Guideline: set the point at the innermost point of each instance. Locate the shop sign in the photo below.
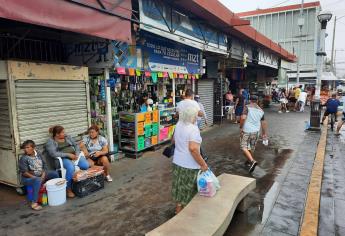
(160, 54)
(163, 20)
(268, 59)
(102, 54)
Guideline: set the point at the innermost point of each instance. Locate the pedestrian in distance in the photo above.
(187, 160)
(283, 101)
(202, 109)
(297, 93)
(188, 102)
(252, 121)
(34, 171)
(341, 123)
(302, 99)
(332, 105)
(239, 105)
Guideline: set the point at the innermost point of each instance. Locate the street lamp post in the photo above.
(315, 114)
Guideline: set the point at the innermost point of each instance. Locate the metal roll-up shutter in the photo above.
(43, 103)
(5, 132)
(205, 91)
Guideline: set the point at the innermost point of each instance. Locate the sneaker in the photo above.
(280, 112)
(248, 163)
(287, 111)
(337, 134)
(252, 167)
(108, 178)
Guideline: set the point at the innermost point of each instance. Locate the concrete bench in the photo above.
(208, 216)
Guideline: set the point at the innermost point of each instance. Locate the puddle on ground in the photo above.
(262, 199)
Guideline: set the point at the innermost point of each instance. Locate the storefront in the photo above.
(39, 88)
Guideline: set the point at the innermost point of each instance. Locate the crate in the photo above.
(148, 117)
(171, 131)
(164, 134)
(155, 128)
(148, 131)
(88, 186)
(147, 142)
(141, 128)
(141, 117)
(155, 116)
(141, 143)
(154, 140)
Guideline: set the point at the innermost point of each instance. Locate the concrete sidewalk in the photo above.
(332, 209)
(139, 199)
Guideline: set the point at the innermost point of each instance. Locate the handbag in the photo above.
(169, 151)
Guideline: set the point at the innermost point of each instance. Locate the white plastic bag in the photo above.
(208, 183)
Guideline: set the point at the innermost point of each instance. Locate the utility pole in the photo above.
(300, 23)
(332, 52)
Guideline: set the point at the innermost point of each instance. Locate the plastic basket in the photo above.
(88, 186)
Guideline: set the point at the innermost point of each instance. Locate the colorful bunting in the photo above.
(121, 70)
(138, 72)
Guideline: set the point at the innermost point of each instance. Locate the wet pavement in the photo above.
(139, 198)
(332, 205)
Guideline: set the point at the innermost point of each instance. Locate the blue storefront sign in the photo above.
(160, 54)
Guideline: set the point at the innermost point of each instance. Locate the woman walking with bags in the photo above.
(187, 159)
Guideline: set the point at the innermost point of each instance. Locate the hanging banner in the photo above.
(161, 54)
(101, 53)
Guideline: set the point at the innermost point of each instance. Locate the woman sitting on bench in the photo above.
(61, 145)
(34, 171)
(95, 148)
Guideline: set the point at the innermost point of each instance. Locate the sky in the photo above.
(337, 7)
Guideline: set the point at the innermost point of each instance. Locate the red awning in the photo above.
(82, 17)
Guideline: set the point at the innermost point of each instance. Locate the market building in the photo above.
(99, 62)
(281, 24)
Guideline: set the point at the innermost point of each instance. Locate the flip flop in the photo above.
(36, 207)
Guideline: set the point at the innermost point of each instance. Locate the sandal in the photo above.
(36, 207)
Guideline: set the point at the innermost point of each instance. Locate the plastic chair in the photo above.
(60, 168)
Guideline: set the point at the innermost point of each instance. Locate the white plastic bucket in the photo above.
(56, 192)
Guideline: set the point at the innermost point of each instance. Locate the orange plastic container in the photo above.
(154, 140)
(155, 116)
(141, 117)
(148, 117)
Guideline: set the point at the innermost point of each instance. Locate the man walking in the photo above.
(302, 99)
(188, 102)
(252, 120)
(332, 105)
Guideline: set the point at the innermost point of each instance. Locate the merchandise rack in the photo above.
(141, 131)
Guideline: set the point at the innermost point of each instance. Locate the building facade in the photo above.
(281, 25)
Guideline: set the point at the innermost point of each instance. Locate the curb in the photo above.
(310, 220)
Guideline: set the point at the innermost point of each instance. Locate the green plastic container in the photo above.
(155, 129)
(148, 131)
(141, 143)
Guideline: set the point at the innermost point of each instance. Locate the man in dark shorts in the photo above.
(252, 120)
(332, 105)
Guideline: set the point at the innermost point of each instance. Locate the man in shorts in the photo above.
(252, 120)
(342, 122)
(332, 105)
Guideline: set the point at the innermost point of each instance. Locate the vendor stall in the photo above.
(34, 97)
(141, 131)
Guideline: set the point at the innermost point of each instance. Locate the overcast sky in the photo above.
(337, 7)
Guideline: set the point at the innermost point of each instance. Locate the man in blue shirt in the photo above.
(332, 105)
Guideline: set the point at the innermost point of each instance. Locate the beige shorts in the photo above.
(248, 140)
